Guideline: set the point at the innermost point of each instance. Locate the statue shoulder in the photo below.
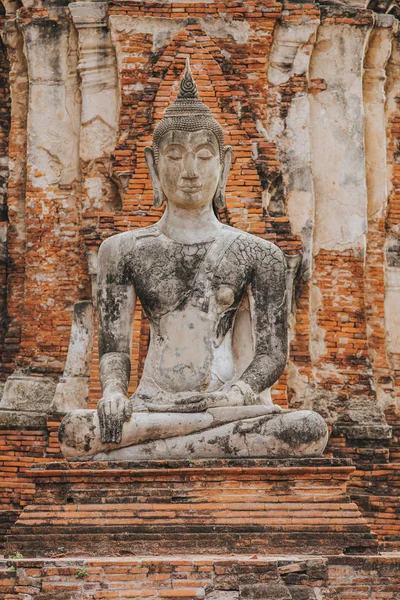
(263, 254)
(271, 250)
(123, 244)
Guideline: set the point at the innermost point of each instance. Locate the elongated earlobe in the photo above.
(158, 198)
(158, 194)
(219, 196)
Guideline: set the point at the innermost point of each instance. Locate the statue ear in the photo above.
(219, 197)
(151, 165)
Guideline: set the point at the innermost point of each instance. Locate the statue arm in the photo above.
(269, 317)
(116, 304)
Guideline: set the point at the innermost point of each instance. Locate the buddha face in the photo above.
(189, 169)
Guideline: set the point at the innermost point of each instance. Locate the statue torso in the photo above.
(168, 275)
(190, 293)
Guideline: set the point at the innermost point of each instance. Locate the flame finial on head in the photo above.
(187, 113)
(188, 87)
(187, 102)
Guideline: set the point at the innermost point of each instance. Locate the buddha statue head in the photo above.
(188, 161)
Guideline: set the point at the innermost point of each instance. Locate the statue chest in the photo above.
(168, 277)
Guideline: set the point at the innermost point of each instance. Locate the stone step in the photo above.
(277, 507)
(376, 490)
(207, 576)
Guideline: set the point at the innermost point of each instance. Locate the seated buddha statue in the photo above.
(215, 298)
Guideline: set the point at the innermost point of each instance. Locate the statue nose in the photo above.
(189, 164)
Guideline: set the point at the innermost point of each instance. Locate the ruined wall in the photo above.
(308, 97)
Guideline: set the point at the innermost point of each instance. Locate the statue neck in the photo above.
(190, 226)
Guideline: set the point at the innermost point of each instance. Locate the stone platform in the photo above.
(235, 506)
(202, 577)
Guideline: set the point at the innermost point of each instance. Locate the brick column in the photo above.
(392, 243)
(344, 389)
(101, 191)
(51, 207)
(98, 70)
(377, 56)
(16, 229)
(73, 388)
(294, 39)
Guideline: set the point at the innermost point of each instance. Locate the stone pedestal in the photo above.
(235, 506)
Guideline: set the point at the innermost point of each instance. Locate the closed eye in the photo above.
(205, 154)
(174, 155)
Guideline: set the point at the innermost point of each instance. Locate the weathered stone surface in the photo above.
(135, 51)
(97, 67)
(191, 274)
(290, 57)
(258, 86)
(265, 591)
(27, 393)
(71, 394)
(12, 419)
(298, 433)
(73, 389)
(338, 137)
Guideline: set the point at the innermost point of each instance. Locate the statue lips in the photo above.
(190, 189)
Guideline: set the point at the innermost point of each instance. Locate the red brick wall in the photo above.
(16, 235)
(344, 578)
(18, 450)
(232, 79)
